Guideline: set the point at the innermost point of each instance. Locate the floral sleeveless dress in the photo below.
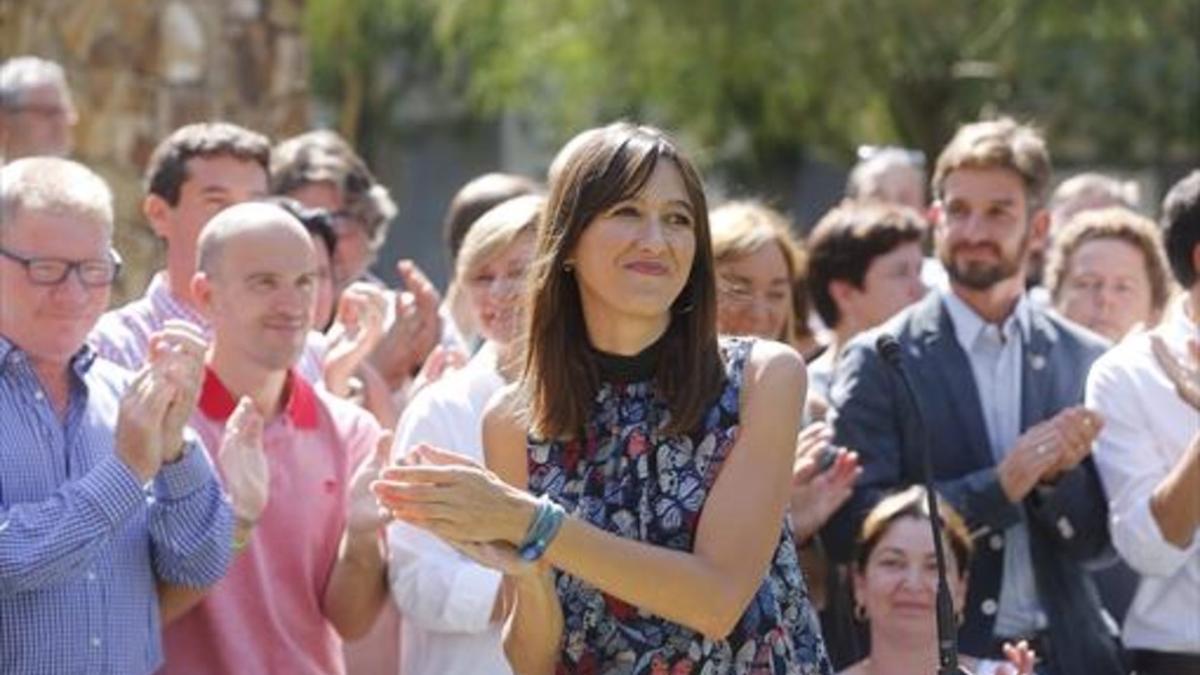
(630, 479)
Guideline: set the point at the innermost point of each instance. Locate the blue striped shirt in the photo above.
(82, 542)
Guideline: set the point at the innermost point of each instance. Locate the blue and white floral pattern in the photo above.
(627, 477)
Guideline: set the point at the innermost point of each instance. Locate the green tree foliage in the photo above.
(761, 82)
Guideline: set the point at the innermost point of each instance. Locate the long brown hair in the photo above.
(560, 378)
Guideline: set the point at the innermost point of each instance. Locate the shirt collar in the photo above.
(1177, 324)
(968, 325)
(216, 402)
(81, 362)
(166, 304)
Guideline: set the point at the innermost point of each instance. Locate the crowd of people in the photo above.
(636, 433)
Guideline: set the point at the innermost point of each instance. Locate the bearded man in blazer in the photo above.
(1000, 382)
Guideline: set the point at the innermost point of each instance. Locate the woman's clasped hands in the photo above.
(460, 501)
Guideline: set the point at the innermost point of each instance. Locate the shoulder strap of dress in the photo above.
(736, 352)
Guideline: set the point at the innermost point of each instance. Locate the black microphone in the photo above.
(947, 631)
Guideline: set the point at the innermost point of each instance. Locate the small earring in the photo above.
(860, 612)
(568, 266)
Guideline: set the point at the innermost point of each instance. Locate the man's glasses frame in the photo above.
(93, 273)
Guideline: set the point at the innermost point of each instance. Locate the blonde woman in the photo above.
(450, 604)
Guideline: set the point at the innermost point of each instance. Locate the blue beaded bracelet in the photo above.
(547, 520)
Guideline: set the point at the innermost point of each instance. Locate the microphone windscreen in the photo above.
(888, 348)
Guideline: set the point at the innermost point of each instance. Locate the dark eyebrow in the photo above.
(735, 278)
(685, 204)
(214, 189)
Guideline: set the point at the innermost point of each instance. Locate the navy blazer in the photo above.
(1067, 521)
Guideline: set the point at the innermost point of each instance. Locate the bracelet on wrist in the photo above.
(547, 520)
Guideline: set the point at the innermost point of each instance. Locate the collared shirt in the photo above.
(82, 541)
(266, 615)
(123, 335)
(995, 353)
(446, 599)
(1147, 429)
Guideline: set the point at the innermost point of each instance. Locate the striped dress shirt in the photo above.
(82, 541)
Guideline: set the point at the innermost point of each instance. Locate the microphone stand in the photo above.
(947, 630)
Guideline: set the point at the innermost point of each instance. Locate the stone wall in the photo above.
(140, 68)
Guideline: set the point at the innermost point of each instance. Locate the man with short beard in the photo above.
(1000, 382)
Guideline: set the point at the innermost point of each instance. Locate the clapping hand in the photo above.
(243, 462)
(365, 514)
(140, 418)
(1047, 450)
(454, 497)
(1021, 659)
(442, 360)
(1183, 371)
(176, 354)
(819, 485)
(1076, 430)
(416, 330)
(357, 329)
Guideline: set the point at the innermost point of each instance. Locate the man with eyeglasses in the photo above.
(36, 112)
(103, 496)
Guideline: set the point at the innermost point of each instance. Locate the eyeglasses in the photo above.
(346, 223)
(92, 273)
(48, 111)
(740, 293)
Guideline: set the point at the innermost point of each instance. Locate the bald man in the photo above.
(297, 462)
(102, 494)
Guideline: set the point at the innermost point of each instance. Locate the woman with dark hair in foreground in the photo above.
(657, 459)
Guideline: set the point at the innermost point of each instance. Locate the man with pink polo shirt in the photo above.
(297, 462)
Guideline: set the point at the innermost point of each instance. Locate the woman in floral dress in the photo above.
(669, 451)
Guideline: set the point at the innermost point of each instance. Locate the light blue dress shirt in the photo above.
(82, 541)
(995, 353)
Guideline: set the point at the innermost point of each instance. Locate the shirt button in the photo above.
(95, 642)
(91, 576)
(988, 607)
(39, 395)
(996, 541)
(1065, 528)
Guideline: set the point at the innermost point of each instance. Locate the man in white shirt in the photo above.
(1148, 390)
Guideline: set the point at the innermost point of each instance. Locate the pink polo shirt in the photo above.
(266, 616)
